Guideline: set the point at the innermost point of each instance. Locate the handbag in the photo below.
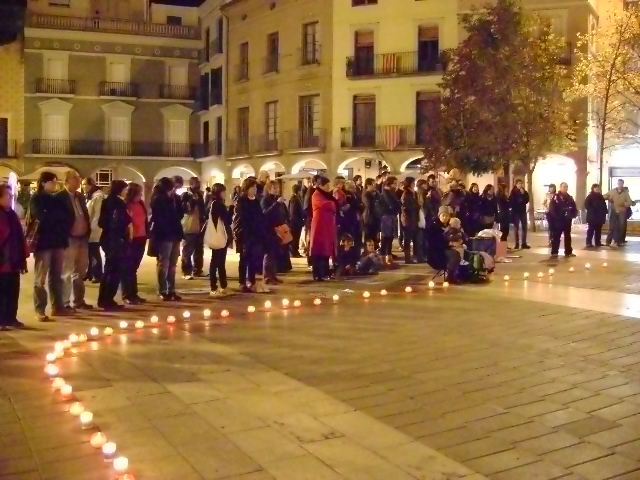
(32, 233)
(215, 237)
(152, 245)
(284, 234)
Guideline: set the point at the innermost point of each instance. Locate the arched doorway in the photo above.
(241, 172)
(553, 169)
(274, 168)
(5, 171)
(412, 166)
(183, 172)
(363, 166)
(310, 165)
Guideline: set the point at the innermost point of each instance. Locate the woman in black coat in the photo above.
(596, 207)
(470, 214)
(504, 212)
(409, 218)
(487, 209)
(115, 223)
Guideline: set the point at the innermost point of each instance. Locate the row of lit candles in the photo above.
(551, 272)
(98, 440)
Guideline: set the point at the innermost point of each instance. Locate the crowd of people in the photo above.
(344, 227)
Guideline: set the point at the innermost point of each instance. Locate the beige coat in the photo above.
(621, 200)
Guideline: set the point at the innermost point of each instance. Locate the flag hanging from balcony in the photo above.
(391, 136)
(389, 63)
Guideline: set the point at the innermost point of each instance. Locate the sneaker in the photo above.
(187, 277)
(83, 306)
(131, 301)
(569, 255)
(222, 291)
(166, 297)
(215, 293)
(62, 312)
(175, 297)
(526, 247)
(41, 317)
(111, 307)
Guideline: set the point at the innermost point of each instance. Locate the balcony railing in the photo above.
(177, 92)
(8, 149)
(310, 55)
(272, 63)
(266, 144)
(237, 147)
(242, 72)
(101, 147)
(208, 149)
(55, 86)
(118, 89)
(110, 25)
(391, 64)
(383, 137)
(309, 139)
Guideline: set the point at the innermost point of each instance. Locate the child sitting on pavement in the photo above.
(371, 261)
(347, 257)
(455, 236)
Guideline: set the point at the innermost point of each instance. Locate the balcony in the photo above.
(119, 89)
(312, 139)
(242, 72)
(208, 149)
(391, 65)
(9, 149)
(272, 63)
(383, 137)
(55, 86)
(265, 144)
(41, 146)
(177, 92)
(237, 148)
(108, 25)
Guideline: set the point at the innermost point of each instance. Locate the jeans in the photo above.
(617, 227)
(413, 237)
(556, 232)
(9, 295)
(135, 254)
(192, 254)
(95, 261)
(250, 264)
(295, 244)
(594, 232)
(115, 266)
(520, 219)
(217, 268)
(48, 268)
(320, 266)
(168, 253)
(74, 268)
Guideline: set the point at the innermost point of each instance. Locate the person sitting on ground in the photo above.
(347, 257)
(455, 236)
(439, 255)
(371, 262)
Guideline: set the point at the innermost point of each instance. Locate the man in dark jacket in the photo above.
(596, 207)
(562, 211)
(195, 217)
(296, 216)
(518, 200)
(76, 255)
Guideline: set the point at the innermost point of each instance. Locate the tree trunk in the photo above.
(532, 209)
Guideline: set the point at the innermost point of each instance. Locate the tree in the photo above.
(502, 99)
(607, 75)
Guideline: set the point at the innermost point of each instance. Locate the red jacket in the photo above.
(323, 224)
(13, 247)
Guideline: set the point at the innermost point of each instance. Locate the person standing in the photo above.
(48, 219)
(115, 223)
(488, 209)
(323, 235)
(504, 212)
(349, 221)
(94, 196)
(296, 216)
(308, 213)
(275, 213)
(562, 211)
(221, 221)
(13, 260)
(518, 200)
(166, 235)
(620, 201)
(596, 207)
(249, 233)
(137, 210)
(409, 219)
(470, 214)
(76, 255)
(192, 202)
(551, 192)
(388, 208)
(370, 219)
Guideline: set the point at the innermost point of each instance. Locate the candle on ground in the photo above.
(366, 294)
(76, 409)
(224, 313)
(86, 419)
(109, 450)
(51, 370)
(251, 309)
(317, 302)
(97, 440)
(408, 289)
(297, 303)
(383, 292)
(120, 465)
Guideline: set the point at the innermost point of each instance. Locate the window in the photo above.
(204, 91)
(358, 3)
(310, 45)
(59, 3)
(55, 126)
(364, 120)
(207, 40)
(178, 75)
(205, 131)
(104, 177)
(309, 121)
(628, 4)
(218, 41)
(271, 126)
(174, 20)
(243, 130)
(243, 70)
(428, 48)
(363, 53)
(273, 52)
(55, 68)
(218, 138)
(427, 115)
(216, 86)
(4, 137)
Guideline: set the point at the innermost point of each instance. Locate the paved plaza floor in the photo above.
(514, 380)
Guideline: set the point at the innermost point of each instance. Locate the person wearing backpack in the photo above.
(562, 211)
(218, 237)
